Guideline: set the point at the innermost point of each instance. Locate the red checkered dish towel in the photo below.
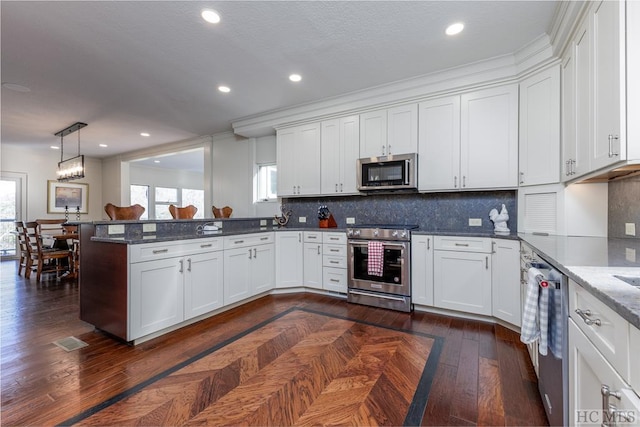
(375, 258)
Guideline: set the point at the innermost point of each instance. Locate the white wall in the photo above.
(40, 167)
(265, 153)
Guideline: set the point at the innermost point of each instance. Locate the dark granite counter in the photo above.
(592, 262)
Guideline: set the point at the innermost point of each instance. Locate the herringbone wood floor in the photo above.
(483, 376)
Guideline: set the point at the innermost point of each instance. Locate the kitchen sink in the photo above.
(633, 281)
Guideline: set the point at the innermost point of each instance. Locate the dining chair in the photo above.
(124, 212)
(44, 260)
(25, 259)
(187, 212)
(224, 212)
(48, 228)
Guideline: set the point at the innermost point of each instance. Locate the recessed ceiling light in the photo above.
(55, 147)
(224, 89)
(295, 77)
(103, 145)
(454, 29)
(211, 16)
(144, 134)
(15, 87)
(156, 161)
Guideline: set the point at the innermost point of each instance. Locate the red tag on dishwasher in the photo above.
(544, 284)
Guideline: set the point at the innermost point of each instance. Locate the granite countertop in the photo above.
(592, 262)
(510, 236)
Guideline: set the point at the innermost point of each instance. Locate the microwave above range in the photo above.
(393, 172)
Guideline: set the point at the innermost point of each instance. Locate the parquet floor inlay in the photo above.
(301, 367)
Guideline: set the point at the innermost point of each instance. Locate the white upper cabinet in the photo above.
(299, 160)
(389, 131)
(489, 138)
(439, 144)
(540, 128)
(469, 141)
(340, 149)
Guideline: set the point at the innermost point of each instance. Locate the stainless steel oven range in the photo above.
(379, 270)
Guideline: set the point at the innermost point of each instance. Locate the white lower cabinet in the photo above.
(334, 262)
(461, 278)
(422, 270)
(289, 261)
(312, 270)
(165, 292)
(505, 281)
(249, 266)
(597, 394)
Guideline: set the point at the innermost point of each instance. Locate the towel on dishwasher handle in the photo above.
(556, 329)
(535, 312)
(375, 258)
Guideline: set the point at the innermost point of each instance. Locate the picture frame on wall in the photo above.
(61, 195)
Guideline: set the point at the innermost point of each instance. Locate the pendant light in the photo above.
(72, 168)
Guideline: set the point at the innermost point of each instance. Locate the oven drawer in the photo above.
(462, 244)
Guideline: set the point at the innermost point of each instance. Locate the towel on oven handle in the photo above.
(375, 258)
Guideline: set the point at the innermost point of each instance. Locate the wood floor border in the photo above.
(416, 409)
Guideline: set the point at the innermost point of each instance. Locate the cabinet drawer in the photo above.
(608, 332)
(334, 250)
(334, 261)
(244, 240)
(151, 251)
(312, 236)
(340, 238)
(463, 244)
(335, 279)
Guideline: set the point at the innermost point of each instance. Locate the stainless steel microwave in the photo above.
(393, 172)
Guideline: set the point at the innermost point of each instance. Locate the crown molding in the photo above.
(567, 16)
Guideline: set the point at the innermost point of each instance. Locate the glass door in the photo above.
(10, 206)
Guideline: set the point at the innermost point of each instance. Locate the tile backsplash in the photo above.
(430, 211)
(624, 206)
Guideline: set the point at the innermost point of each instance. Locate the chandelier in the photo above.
(72, 168)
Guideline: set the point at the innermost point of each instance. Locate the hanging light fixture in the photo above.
(72, 168)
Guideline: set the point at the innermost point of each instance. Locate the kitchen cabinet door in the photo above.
(540, 128)
(373, 134)
(422, 270)
(489, 138)
(402, 129)
(589, 372)
(313, 265)
(583, 93)
(340, 149)
(203, 283)
(156, 296)
(505, 281)
(462, 281)
(298, 151)
(289, 259)
(609, 141)
(439, 144)
(263, 268)
(569, 140)
(286, 162)
(237, 274)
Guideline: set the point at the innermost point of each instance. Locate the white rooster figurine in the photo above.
(500, 220)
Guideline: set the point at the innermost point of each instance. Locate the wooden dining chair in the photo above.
(25, 259)
(124, 212)
(44, 260)
(187, 212)
(224, 212)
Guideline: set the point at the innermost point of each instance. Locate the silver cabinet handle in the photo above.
(299, 237)
(264, 238)
(486, 262)
(334, 262)
(493, 247)
(208, 245)
(611, 138)
(181, 266)
(298, 189)
(341, 187)
(428, 243)
(609, 410)
(383, 147)
(255, 253)
(462, 244)
(250, 253)
(566, 168)
(334, 280)
(238, 242)
(160, 251)
(318, 249)
(389, 150)
(464, 181)
(334, 238)
(294, 189)
(455, 181)
(521, 177)
(585, 314)
(189, 264)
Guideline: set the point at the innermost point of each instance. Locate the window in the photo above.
(140, 196)
(195, 198)
(267, 182)
(164, 198)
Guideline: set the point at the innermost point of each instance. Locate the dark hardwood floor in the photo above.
(484, 376)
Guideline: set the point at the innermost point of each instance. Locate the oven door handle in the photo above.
(369, 294)
(389, 243)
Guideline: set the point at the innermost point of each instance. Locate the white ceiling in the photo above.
(125, 67)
